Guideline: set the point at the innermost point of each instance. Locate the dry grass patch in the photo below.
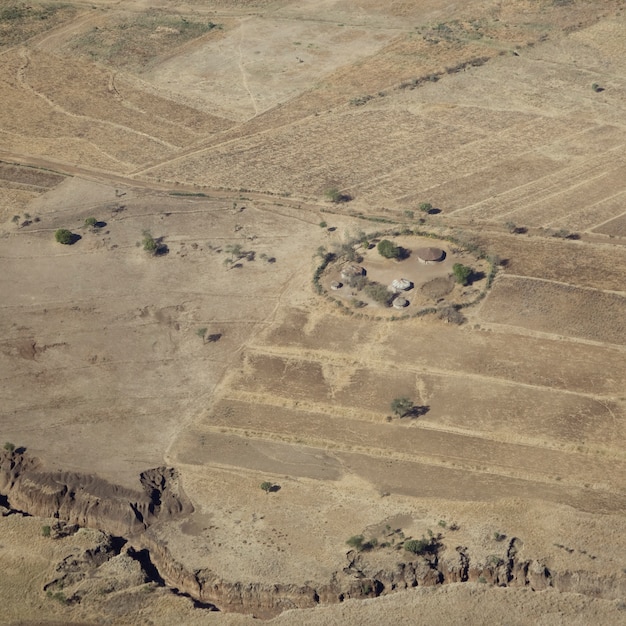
(556, 308)
(134, 41)
(20, 21)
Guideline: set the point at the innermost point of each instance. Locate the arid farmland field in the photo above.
(313, 312)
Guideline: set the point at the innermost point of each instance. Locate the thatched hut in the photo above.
(400, 303)
(351, 271)
(400, 284)
(430, 255)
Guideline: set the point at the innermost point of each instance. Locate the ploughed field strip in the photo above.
(557, 308)
(595, 266)
(496, 421)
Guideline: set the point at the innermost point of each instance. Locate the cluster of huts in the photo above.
(350, 272)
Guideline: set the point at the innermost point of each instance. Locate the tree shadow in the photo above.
(100, 224)
(215, 337)
(74, 238)
(434, 211)
(274, 488)
(161, 248)
(403, 253)
(417, 411)
(475, 276)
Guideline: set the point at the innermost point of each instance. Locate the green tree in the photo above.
(90, 222)
(388, 249)
(462, 273)
(356, 542)
(201, 332)
(417, 546)
(64, 236)
(149, 243)
(46, 530)
(267, 486)
(426, 207)
(9, 447)
(401, 406)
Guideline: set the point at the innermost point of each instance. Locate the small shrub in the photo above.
(267, 486)
(9, 447)
(388, 249)
(64, 236)
(442, 523)
(149, 243)
(201, 332)
(451, 315)
(46, 530)
(323, 224)
(595, 87)
(462, 273)
(417, 546)
(426, 207)
(356, 542)
(90, 222)
(401, 406)
(336, 196)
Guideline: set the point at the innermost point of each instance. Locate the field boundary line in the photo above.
(295, 354)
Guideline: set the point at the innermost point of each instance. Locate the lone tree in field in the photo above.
(91, 222)
(334, 195)
(64, 236)
(462, 273)
(426, 207)
(401, 406)
(149, 243)
(267, 486)
(388, 249)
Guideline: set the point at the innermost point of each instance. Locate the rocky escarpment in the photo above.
(87, 500)
(135, 515)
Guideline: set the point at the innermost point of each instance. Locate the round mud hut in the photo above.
(430, 255)
(400, 303)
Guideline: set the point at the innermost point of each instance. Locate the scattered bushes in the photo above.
(379, 293)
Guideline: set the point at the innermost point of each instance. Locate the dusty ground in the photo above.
(227, 136)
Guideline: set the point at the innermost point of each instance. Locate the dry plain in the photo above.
(219, 128)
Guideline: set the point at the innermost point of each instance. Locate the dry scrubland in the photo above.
(219, 128)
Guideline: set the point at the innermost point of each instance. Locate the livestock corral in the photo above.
(226, 172)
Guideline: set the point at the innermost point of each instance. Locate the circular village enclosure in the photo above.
(420, 281)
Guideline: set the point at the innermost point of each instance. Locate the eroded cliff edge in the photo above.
(137, 516)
